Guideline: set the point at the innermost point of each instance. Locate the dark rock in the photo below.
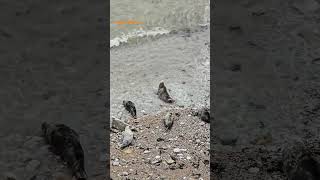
(235, 67)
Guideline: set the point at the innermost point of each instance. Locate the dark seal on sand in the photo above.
(131, 108)
(65, 143)
(203, 114)
(163, 93)
(168, 121)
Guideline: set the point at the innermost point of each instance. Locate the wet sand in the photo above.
(52, 68)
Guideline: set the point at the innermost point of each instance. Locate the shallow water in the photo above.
(155, 17)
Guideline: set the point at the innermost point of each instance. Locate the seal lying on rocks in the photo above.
(65, 143)
(127, 137)
(129, 106)
(168, 121)
(163, 93)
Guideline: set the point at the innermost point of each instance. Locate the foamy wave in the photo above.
(137, 34)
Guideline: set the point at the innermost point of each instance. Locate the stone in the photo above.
(116, 162)
(125, 174)
(9, 176)
(228, 139)
(254, 170)
(33, 165)
(306, 6)
(178, 150)
(170, 161)
(118, 124)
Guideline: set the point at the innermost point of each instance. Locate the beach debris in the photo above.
(163, 93)
(65, 143)
(118, 124)
(130, 107)
(168, 121)
(299, 162)
(127, 137)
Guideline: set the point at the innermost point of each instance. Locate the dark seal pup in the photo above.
(131, 108)
(163, 93)
(203, 114)
(65, 143)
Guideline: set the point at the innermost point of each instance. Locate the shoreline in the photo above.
(136, 72)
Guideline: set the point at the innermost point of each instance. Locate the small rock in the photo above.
(116, 162)
(235, 67)
(158, 157)
(254, 170)
(170, 161)
(146, 152)
(157, 161)
(143, 112)
(178, 150)
(33, 165)
(9, 176)
(118, 124)
(125, 174)
(160, 139)
(228, 140)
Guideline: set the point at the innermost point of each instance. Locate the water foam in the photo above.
(138, 33)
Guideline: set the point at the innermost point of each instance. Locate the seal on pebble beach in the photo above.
(129, 106)
(163, 93)
(65, 143)
(168, 121)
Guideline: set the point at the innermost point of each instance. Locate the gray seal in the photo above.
(131, 108)
(163, 93)
(65, 143)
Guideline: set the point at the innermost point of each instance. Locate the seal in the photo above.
(168, 121)
(65, 143)
(203, 114)
(130, 107)
(163, 93)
